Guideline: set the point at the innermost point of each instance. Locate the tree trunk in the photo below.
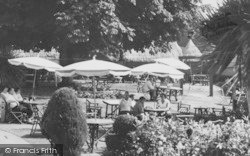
(248, 85)
(65, 53)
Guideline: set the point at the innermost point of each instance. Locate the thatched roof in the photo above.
(145, 56)
(175, 50)
(191, 49)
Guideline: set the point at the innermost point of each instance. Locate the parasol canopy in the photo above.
(159, 70)
(173, 62)
(35, 63)
(92, 68)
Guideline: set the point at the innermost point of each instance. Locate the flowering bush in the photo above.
(84, 92)
(53, 54)
(172, 138)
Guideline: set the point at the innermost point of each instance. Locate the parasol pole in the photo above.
(94, 93)
(201, 66)
(34, 84)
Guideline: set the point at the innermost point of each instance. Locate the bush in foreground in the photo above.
(122, 139)
(124, 124)
(64, 122)
(172, 138)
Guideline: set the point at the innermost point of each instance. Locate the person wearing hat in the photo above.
(138, 109)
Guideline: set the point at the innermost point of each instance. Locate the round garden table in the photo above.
(158, 110)
(38, 113)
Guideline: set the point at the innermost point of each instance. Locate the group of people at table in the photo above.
(151, 88)
(16, 102)
(129, 106)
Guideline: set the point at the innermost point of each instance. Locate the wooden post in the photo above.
(211, 83)
(201, 66)
(239, 71)
(34, 85)
(181, 85)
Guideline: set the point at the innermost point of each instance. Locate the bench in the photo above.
(200, 78)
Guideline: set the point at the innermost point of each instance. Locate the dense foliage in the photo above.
(81, 27)
(27, 24)
(64, 122)
(173, 138)
(233, 25)
(122, 140)
(10, 75)
(53, 54)
(124, 124)
(233, 38)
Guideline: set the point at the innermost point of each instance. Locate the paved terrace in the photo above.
(196, 96)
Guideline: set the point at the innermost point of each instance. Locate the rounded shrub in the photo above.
(122, 139)
(64, 122)
(124, 124)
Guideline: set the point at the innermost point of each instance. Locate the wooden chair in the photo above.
(217, 111)
(184, 112)
(93, 109)
(14, 116)
(183, 108)
(10, 115)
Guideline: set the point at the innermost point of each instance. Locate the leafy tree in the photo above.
(23, 24)
(234, 38)
(118, 25)
(83, 27)
(27, 24)
(10, 76)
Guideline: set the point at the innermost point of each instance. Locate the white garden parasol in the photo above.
(173, 62)
(35, 63)
(92, 68)
(159, 70)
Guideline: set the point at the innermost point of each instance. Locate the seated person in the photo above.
(132, 98)
(158, 82)
(125, 104)
(148, 88)
(138, 109)
(164, 103)
(17, 95)
(9, 98)
(157, 85)
(16, 106)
